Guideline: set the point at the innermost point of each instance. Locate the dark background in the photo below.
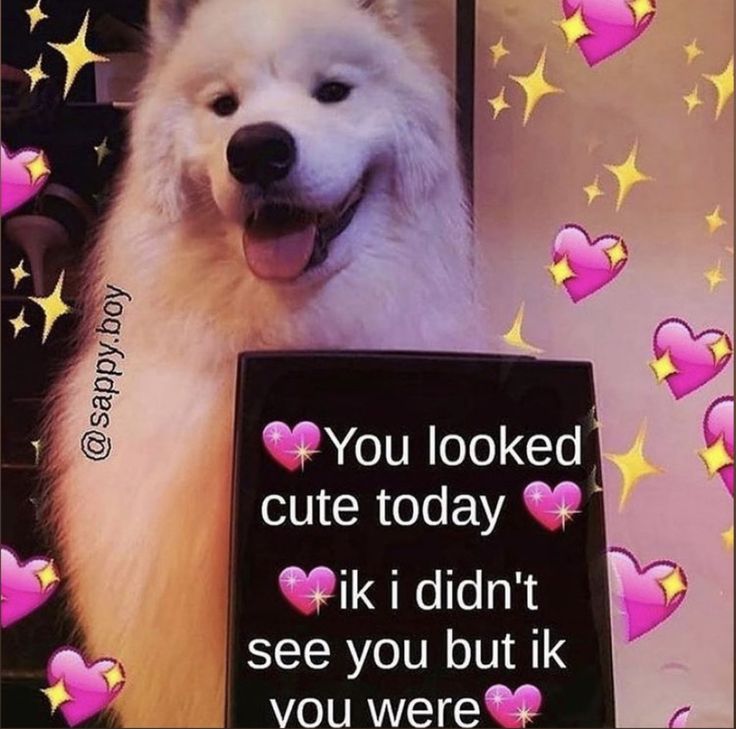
(403, 395)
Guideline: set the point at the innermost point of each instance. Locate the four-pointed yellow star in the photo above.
(715, 277)
(721, 349)
(48, 576)
(514, 338)
(57, 695)
(727, 538)
(103, 151)
(627, 174)
(561, 271)
(714, 220)
(673, 584)
(692, 100)
(716, 457)
(692, 51)
(593, 190)
(36, 73)
(723, 82)
(18, 273)
(77, 55)
(535, 86)
(498, 51)
(498, 104)
(19, 323)
(35, 15)
(633, 465)
(641, 9)
(663, 367)
(52, 306)
(574, 27)
(38, 167)
(114, 676)
(617, 253)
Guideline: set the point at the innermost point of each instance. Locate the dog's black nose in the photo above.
(260, 154)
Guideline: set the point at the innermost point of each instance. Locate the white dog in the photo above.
(293, 183)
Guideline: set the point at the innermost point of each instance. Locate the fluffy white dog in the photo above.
(292, 183)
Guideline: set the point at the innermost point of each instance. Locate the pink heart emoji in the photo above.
(695, 360)
(717, 424)
(517, 709)
(646, 596)
(678, 720)
(24, 587)
(553, 509)
(593, 263)
(307, 593)
(612, 23)
(17, 183)
(80, 689)
(292, 448)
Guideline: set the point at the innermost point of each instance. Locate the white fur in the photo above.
(144, 534)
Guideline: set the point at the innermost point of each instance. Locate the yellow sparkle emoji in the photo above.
(716, 457)
(663, 367)
(724, 86)
(715, 277)
(52, 306)
(37, 448)
(641, 9)
(57, 695)
(114, 676)
(514, 338)
(498, 51)
(38, 167)
(77, 55)
(721, 349)
(35, 15)
(714, 220)
(727, 538)
(627, 174)
(47, 576)
(574, 27)
(692, 51)
(561, 271)
(535, 86)
(692, 100)
(593, 190)
(498, 104)
(617, 253)
(19, 323)
(18, 273)
(633, 465)
(673, 585)
(35, 73)
(103, 151)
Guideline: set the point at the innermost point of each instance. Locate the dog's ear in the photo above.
(165, 19)
(396, 14)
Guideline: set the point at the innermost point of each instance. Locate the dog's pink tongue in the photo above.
(281, 258)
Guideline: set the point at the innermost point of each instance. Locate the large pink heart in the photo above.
(91, 687)
(612, 24)
(23, 590)
(692, 356)
(553, 509)
(646, 596)
(292, 448)
(718, 423)
(16, 183)
(307, 593)
(517, 709)
(588, 260)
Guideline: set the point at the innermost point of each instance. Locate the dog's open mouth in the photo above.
(282, 241)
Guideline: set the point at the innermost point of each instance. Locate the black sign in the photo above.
(418, 542)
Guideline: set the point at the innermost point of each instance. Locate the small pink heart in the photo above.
(612, 24)
(593, 263)
(553, 509)
(292, 448)
(718, 423)
(307, 593)
(646, 596)
(696, 359)
(82, 689)
(678, 720)
(24, 586)
(17, 185)
(517, 709)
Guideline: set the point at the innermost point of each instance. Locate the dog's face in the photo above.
(306, 124)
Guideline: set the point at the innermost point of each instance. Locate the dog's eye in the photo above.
(225, 105)
(332, 92)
